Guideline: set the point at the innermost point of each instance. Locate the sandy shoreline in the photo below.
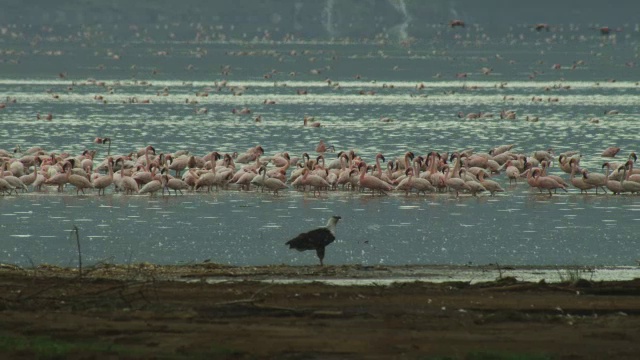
(343, 274)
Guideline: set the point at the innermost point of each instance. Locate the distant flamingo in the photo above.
(541, 26)
(47, 117)
(605, 30)
(243, 111)
(508, 114)
(469, 116)
(322, 147)
(308, 121)
(610, 151)
(105, 140)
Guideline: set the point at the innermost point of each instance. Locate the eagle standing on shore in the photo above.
(316, 239)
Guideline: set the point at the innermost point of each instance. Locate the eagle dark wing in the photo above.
(312, 240)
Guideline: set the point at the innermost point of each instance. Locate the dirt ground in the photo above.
(224, 312)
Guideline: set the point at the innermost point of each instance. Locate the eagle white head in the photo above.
(331, 224)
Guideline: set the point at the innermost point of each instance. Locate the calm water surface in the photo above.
(519, 226)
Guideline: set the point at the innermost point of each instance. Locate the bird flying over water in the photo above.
(316, 239)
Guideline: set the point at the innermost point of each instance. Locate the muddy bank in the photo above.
(135, 312)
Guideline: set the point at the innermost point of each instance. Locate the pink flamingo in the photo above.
(271, 183)
(578, 183)
(545, 182)
(29, 179)
(492, 186)
(455, 183)
(613, 185)
(545, 166)
(209, 179)
(143, 176)
(178, 164)
(281, 160)
(405, 184)
(174, 184)
(421, 185)
(152, 187)
(630, 186)
(80, 182)
(105, 181)
(62, 178)
(564, 162)
(245, 179)
(597, 180)
(250, 155)
(512, 172)
(5, 186)
(316, 181)
(127, 183)
(372, 182)
(378, 170)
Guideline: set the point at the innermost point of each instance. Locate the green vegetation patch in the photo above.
(45, 347)
(488, 355)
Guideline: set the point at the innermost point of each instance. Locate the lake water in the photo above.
(519, 226)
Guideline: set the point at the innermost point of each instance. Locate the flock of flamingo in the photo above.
(145, 171)
(461, 172)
